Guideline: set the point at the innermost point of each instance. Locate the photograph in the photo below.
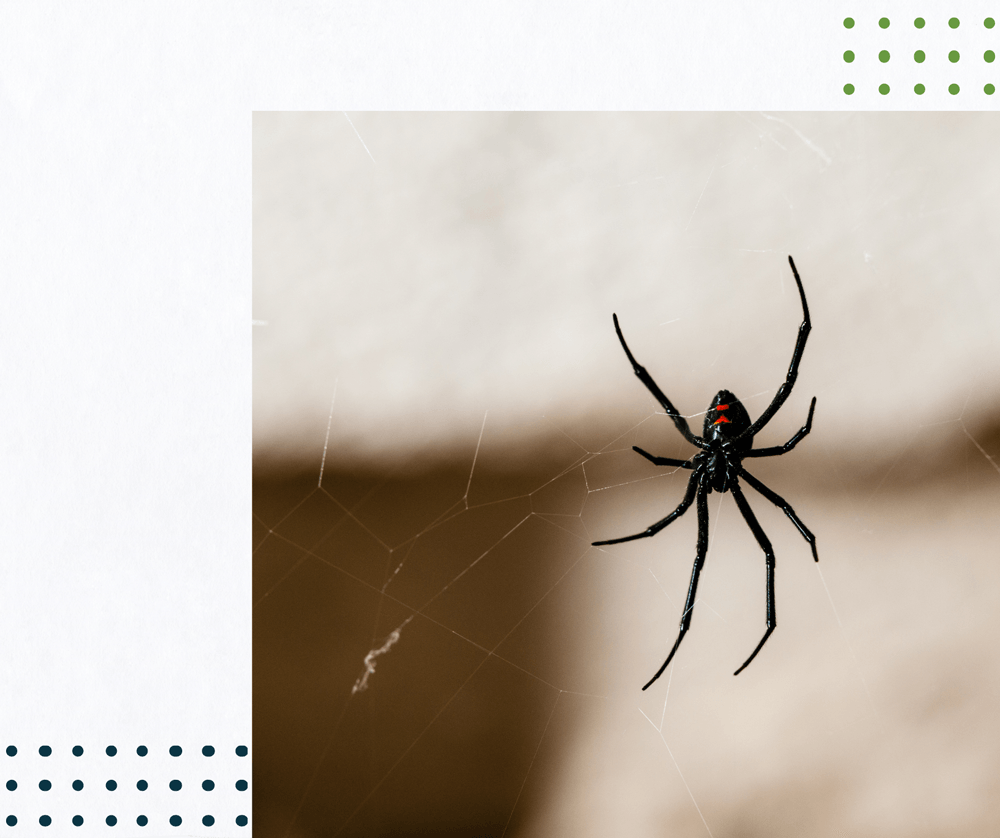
(539, 395)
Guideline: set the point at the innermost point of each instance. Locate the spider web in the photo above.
(438, 648)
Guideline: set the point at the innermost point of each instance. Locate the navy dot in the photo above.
(11, 820)
(44, 785)
(142, 820)
(11, 751)
(45, 751)
(175, 750)
(241, 785)
(11, 785)
(175, 785)
(77, 751)
(142, 785)
(77, 820)
(111, 820)
(175, 820)
(208, 751)
(241, 820)
(142, 750)
(111, 750)
(45, 820)
(78, 785)
(208, 785)
(242, 751)
(111, 785)
(208, 820)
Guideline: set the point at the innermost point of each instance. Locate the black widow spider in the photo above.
(727, 441)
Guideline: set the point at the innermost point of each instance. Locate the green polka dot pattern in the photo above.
(919, 56)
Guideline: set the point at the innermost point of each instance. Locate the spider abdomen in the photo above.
(726, 419)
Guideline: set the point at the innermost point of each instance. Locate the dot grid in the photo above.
(77, 790)
(907, 55)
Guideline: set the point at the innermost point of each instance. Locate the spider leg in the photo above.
(663, 461)
(765, 545)
(788, 446)
(793, 369)
(658, 394)
(699, 562)
(659, 525)
(785, 506)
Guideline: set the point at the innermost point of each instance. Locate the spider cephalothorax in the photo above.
(727, 439)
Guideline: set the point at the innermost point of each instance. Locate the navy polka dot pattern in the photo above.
(189, 803)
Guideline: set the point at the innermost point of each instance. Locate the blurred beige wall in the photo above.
(431, 267)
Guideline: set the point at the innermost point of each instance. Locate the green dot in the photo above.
(919, 23)
(989, 23)
(953, 23)
(848, 56)
(883, 56)
(989, 90)
(919, 56)
(848, 23)
(989, 56)
(848, 89)
(919, 89)
(884, 22)
(883, 89)
(953, 56)
(953, 89)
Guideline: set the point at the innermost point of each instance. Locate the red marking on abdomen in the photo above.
(721, 406)
(721, 419)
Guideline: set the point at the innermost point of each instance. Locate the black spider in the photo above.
(727, 441)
